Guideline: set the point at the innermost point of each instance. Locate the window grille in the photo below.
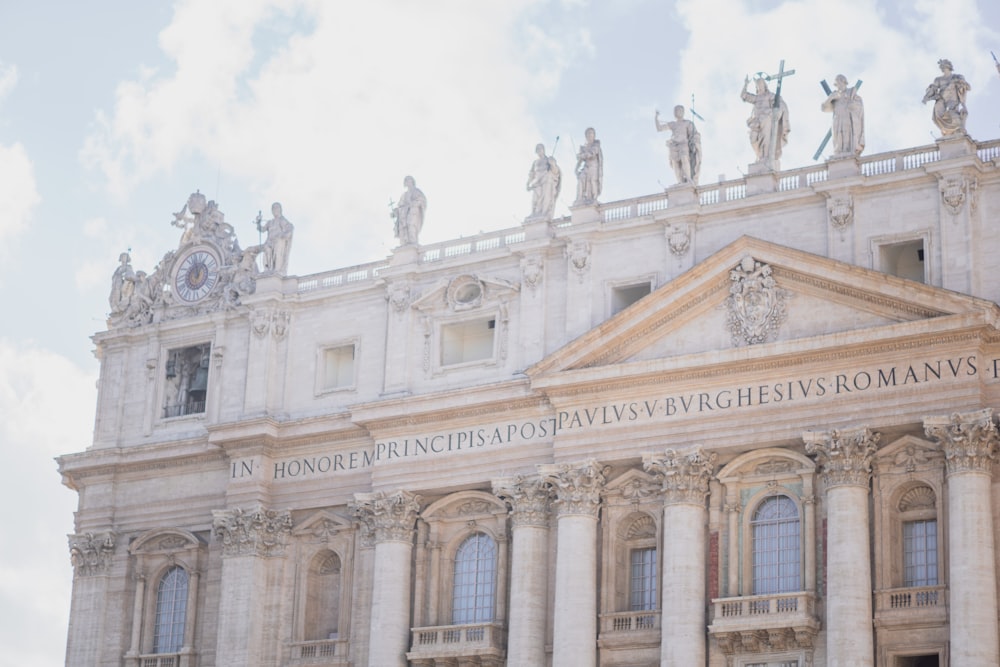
(642, 581)
(776, 547)
(475, 580)
(171, 610)
(920, 553)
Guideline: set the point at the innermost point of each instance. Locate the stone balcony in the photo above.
(629, 629)
(918, 605)
(757, 623)
(478, 645)
(326, 652)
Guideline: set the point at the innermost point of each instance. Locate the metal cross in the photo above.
(777, 105)
(829, 133)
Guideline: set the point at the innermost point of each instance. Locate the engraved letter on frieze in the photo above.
(755, 305)
(253, 532)
(577, 486)
(389, 517)
(91, 554)
(684, 476)
(969, 440)
(844, 456)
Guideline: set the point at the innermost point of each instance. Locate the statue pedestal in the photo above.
(583, 214)
(842, 167)
(536, 228)
(269, 284)
(405, 254)
(956, 145)
(682, 194)
(761, 182)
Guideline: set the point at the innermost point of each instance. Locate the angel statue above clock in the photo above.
(208, 270)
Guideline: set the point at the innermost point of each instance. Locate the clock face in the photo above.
(197, 275)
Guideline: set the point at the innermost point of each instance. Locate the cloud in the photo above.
(328, 109)
(17, 190)
(48, 407)
(8, 79)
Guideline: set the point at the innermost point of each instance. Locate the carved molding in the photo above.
(577, 486)
(844, 455)
(390, 518)
(253, 532)
(765, 641)
(91, 554)
(529, 499)
(684, 476)
(969, 440)
(756, 305)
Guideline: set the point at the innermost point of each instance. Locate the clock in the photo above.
(197, 275)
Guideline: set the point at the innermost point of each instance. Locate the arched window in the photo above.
(776, 547)
(171, 611)
(475, 580)
(323, 597)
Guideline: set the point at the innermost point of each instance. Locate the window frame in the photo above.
(751, 544)
(321, 387)
(489, 566)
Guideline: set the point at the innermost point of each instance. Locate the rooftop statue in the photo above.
(848, 130)
(948, 92)
(684, 145)
(769, 126)
(544, 183)
(275, 250)
(589, 170)
(409, 213)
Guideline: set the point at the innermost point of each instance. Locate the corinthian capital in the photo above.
(391, 517)
(91, 554)
(844, 455)
(969, 440)
(253, 532)
(577, 486)
(529, 499)
(684, 475)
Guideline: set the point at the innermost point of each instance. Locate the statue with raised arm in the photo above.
(275, 250)
(544, 182)
(684, 145)
(589, 170)
(409, 213)
(948, 92)
(848, 131)
(768, 125)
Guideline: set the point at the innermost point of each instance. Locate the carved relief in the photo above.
(532, 272)
(678, 239)
(263, 322)
(529, 499)
(755, 305)
(399, 297)
(391, 518)
(917, 498)
(578, 254)
(465, 293)
(577, 486)
(913, 456)
(841, 211)
(253, 532)
(684, 475)
(844, 456)
(643, 527)
(969, 440)
(91, 554)
(260, 322)
(954, 192)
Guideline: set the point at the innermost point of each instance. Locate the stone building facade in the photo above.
(745, 424)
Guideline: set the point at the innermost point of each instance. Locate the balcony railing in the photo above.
(325, 651)
(457, 640)
(160, 660)
(760, 612)
(630, 621)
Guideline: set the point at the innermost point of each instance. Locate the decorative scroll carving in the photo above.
(399, 297)
(577, 486)
(755, 305)
(91, 554)
(765, 641)
(578, 254)
(678, 239)
(529, 499)
(917, 498)
(954, 192)
(844, 456)
(684, 475)
(465, 292)
(913, 456)
(253, 532)
(969, 440)
(532, 272)
(841, 212)
(390, 517)
(643, 527)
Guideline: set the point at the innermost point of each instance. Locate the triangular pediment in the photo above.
(754, 299)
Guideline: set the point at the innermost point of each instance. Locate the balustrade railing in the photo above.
(630, 621)
(910, 598)
(457, 639)
(339, 277)
(751, 606)
(160, 660)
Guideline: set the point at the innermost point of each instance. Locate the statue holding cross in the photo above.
(768, 122)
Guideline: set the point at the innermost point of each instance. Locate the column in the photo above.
(93, 596)
(969, 442)
(391, 518)
(578, 499)
(528, 498)
(682, 597)
(845, 458)
(253, 548)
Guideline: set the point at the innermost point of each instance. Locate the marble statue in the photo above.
(948, 92)
(275, 250)
(768, 125)
(848, 130)
(589, 170)
(409, 213)
(544, 182)
(122, 284)
(684, 145)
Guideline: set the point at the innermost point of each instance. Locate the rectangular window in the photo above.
(642, 580)
(186, 383)
(905, 260)
(464, 342)
(338, 367)
(920, 553)
(625, 296)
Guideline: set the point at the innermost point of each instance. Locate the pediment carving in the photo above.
(323, 526)
(465, 292)
(918, 498)
(165, 542)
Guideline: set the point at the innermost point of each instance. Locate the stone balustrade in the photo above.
(630, 621)
(333, 652)
(453, 641)
(755, 612)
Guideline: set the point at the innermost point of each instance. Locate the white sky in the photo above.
(113, 112)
